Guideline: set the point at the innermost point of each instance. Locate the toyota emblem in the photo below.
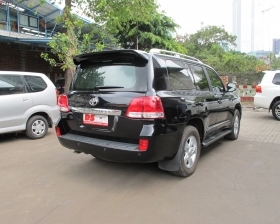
(94, 101)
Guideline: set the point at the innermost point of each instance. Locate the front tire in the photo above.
(189, 150)
(276, 110)
(36, 127)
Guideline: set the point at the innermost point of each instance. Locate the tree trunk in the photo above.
(69, 74)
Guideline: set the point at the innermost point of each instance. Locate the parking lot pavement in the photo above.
(259, 126)
(235, 182)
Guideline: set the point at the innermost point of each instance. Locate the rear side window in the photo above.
(276, 79)
(107, 77)
(180, 76)
(36, 84)
(11, 84)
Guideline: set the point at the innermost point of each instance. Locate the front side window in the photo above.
(216, 82)
(36, 84)
(117, 77)
(199, 77)
(276, 79)
(11, 84)
(180, 76)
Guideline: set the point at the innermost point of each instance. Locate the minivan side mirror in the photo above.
(231, 87)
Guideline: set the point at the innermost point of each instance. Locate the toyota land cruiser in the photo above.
(134, 106)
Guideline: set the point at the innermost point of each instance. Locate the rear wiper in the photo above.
(108, 87)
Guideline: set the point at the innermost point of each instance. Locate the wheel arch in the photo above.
(277, 98)
(43, 114)
(198, 124)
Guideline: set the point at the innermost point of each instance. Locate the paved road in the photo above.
(235, 182)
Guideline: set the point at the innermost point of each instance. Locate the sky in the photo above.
(192, 15)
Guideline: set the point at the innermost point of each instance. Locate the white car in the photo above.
(268, 93)
(28, 102)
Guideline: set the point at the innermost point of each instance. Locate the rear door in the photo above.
(101, 92)
(14, 102)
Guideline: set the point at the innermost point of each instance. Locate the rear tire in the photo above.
(189, 150)
(36, 127)
(276, 110)
(235, 127)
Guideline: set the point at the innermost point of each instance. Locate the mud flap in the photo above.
(171, 165)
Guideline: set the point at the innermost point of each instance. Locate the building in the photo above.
(276, 46)
(254, 24)
(26, 27)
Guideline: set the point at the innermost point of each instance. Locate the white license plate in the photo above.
(93, 119)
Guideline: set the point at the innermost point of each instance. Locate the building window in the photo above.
(3, 15)
(30, 21)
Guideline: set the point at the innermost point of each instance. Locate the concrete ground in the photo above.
(235, 182)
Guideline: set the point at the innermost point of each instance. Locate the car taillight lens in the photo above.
(62, 102)
(147, 107)
(258, 89)
(143, 144)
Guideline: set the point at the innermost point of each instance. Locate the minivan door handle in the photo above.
(25, 99)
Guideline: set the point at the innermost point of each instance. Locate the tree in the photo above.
(156, 32)
(213, 44)
(108, 15)
(275, 62)
(205, 38)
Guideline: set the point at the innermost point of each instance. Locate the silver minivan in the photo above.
(28, 102)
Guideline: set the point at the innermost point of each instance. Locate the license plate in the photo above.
(93, 119)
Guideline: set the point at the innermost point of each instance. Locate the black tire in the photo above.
(36, 127)
(276, 110)
(235, 127)
(189, 150)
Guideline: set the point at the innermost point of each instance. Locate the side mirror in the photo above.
(231, 87)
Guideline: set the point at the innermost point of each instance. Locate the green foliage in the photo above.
(156, 32)
(78, 38)
(113, 13)
(275, 62)
(212, 45)
(205, 38)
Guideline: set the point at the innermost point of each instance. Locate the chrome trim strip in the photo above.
(218, 124)
(96, 111)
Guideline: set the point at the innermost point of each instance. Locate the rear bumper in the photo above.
(261, 101)
(160, 147)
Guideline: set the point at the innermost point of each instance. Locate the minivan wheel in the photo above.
(189, 152)
(235, 127)
(36, 127)
(276, 110)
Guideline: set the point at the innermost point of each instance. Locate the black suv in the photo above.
(134, 106)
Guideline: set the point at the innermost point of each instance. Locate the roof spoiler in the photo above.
(103, 55)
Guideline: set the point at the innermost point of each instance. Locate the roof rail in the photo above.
(173, 53)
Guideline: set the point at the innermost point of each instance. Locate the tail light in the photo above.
(62, 102)
(143, 144)
(258, 89)
(148, 107)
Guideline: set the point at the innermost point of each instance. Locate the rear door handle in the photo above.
(25, 99)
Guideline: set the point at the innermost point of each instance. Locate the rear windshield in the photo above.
(108, 77)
